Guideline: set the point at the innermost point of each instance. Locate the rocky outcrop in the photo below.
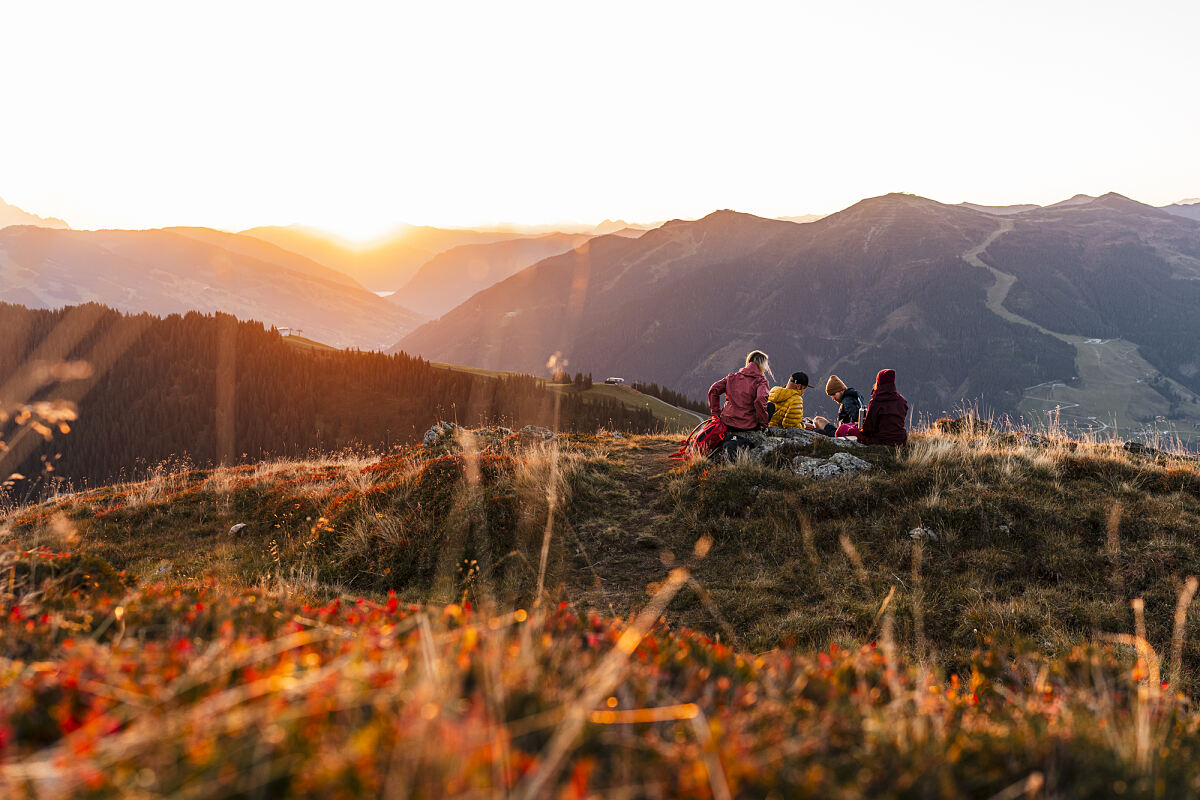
(835, 466)
(536, 433)
(778, 447)
(441, 433)
(448, 435)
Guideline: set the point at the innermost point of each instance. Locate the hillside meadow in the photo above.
(978, 616)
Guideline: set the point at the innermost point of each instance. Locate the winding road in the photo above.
(1113, 370)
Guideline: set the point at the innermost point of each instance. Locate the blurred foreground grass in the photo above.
(494, 617)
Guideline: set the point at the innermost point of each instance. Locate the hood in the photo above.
(751, 370)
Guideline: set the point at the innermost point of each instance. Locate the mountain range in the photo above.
(1086, 305)
(177, 270)
(963, 302)
(11, 215)
(382, 267)
(451, 277)
(1189, 208)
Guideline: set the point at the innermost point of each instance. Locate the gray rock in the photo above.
(923, 534)
(538, 432)
(764, 443)
(437, 433)
(850, 463)
(797, 435)
(237, 527)
(823, 469)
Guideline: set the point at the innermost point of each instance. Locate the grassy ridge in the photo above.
(779, 636)
(672, 418)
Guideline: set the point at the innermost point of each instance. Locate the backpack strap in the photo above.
(682, 452)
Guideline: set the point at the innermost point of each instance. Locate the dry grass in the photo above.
(1039, 551)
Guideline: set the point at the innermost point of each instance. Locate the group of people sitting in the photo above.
(750, 405)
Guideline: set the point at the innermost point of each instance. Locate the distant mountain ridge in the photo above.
(889, 281)
(193, 269)
(1189, 208)
(384, 266)
(451, 277)
(265, 251)
(11, 215)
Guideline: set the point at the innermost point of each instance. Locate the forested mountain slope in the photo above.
(210, 388)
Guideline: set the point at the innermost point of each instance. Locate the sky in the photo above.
(356, 117)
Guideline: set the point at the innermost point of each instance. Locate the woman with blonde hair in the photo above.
(746, 407)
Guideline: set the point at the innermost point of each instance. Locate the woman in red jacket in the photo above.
(745, 393)
(886, 413)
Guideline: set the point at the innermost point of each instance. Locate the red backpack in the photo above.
(703, 441)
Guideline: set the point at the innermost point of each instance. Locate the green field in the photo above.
(1112, 395)
(308, 344)
(674, 419)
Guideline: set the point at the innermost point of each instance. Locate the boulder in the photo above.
(537, 433)
(823, 469)
(798, 435)
(438, 434)
(923, 534)
(764, 443)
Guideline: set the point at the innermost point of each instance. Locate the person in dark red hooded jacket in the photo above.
(886, 413)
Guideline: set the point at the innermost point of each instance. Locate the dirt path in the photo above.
(625, 551)
(997, 293)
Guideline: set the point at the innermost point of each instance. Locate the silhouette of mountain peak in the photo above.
(1119, 201)
(1077, 200)
(1111, 201)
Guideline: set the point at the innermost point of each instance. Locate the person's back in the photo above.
(851, 403)
(886, 413)
(745, 393)
(789, 402)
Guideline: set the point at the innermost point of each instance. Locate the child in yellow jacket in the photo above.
(789, 402)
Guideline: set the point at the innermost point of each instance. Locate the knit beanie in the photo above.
(834, 385)
(886, 377)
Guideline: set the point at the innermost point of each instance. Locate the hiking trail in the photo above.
(637, 513)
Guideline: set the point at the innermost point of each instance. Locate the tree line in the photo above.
(674, 398)
(211, 389)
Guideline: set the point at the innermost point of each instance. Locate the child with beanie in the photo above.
(886, 414)
(850, 400)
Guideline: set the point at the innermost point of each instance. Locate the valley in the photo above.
(1112, 389)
